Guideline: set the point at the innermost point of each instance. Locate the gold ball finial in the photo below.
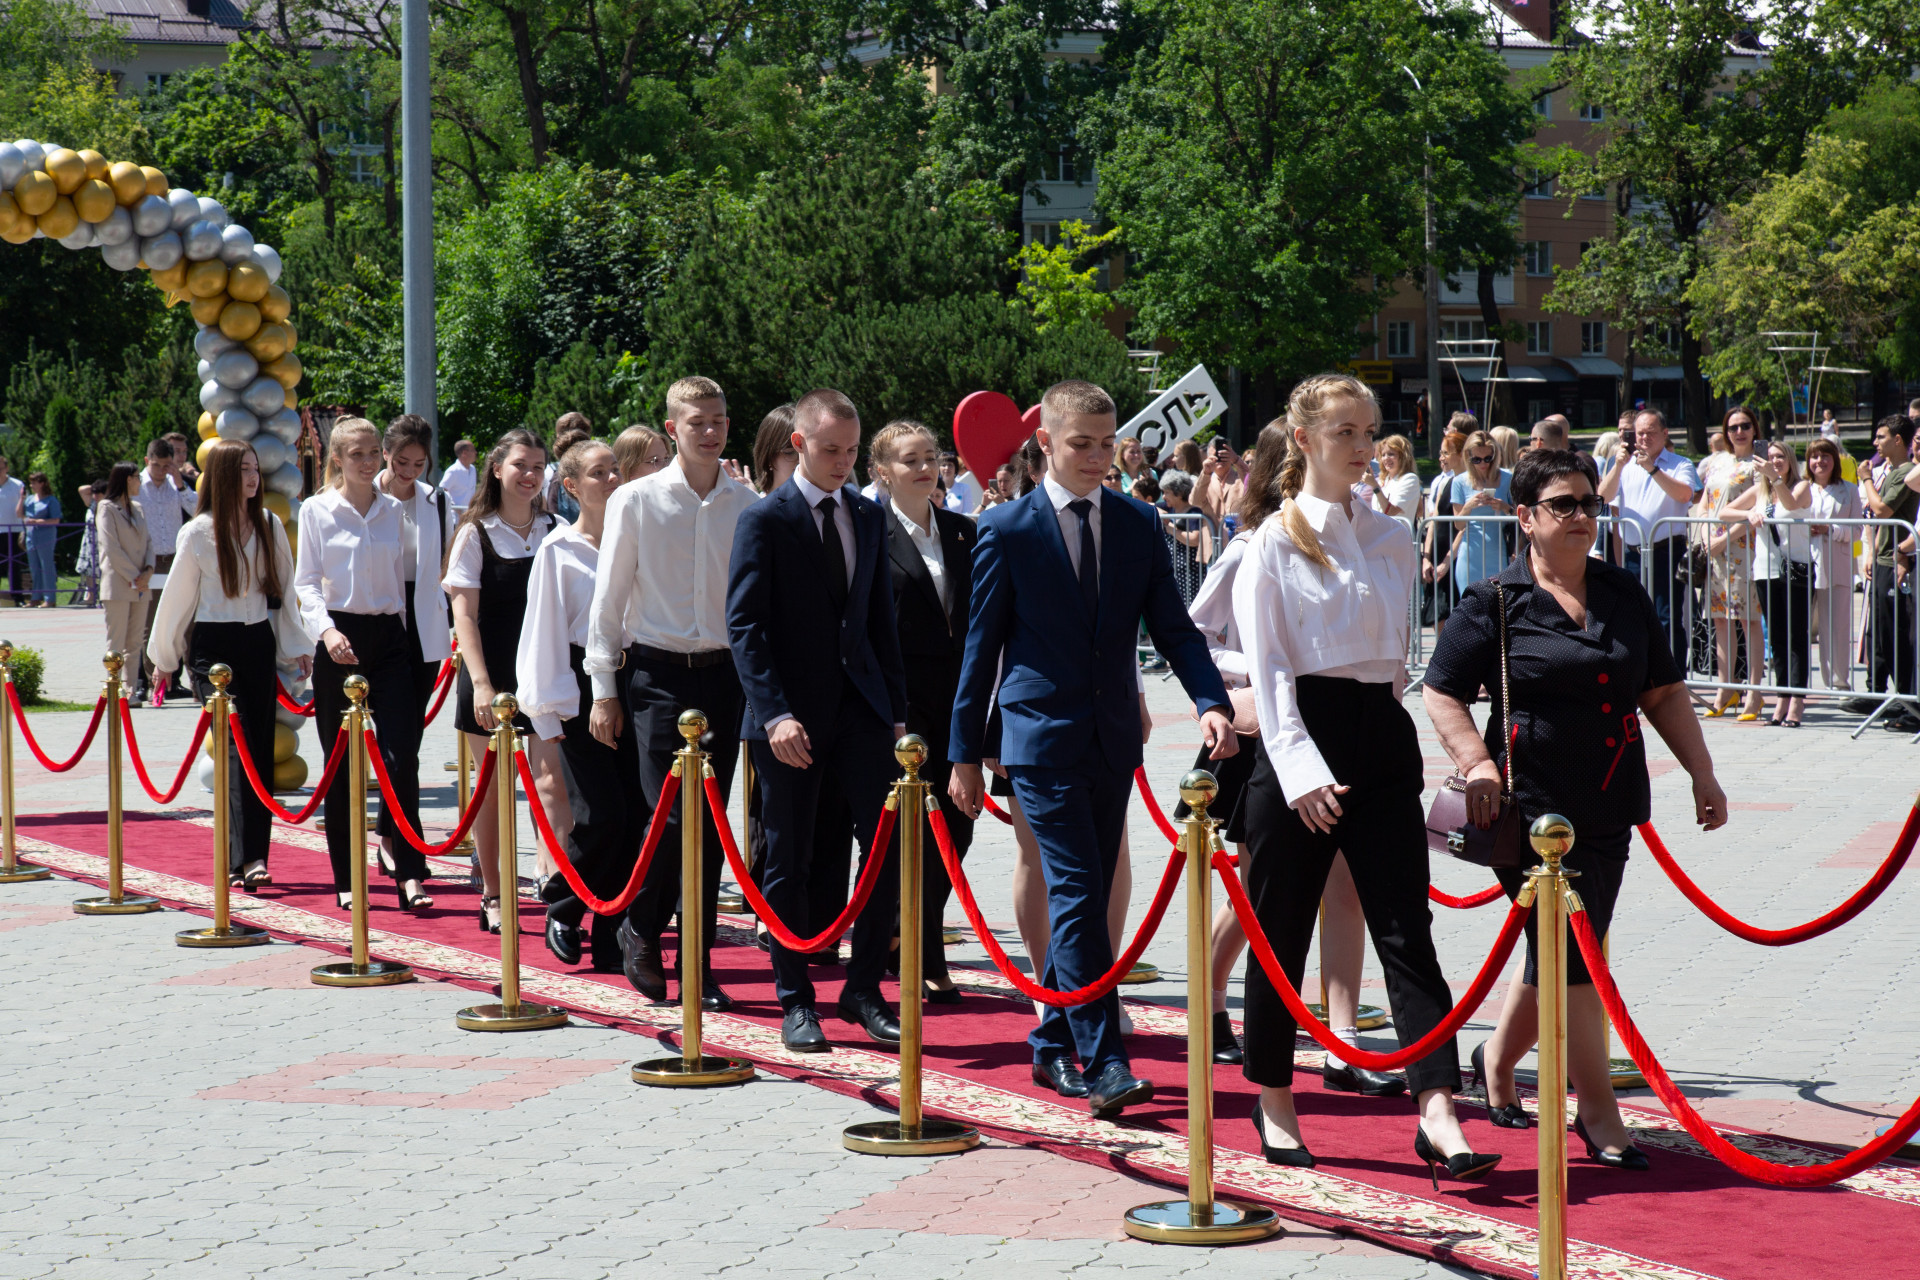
(113, 663)
(219, 675)
(693, 726)
(356, 689)
(505, 707)
(911, 752)
(6, 651)
(1198, 789)
(1551, 836)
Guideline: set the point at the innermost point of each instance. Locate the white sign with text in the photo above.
(1178, 412)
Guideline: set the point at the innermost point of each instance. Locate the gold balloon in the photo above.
(10, 215)
(200, 454)
(205, 427)
(205, 279)
(67, 170)
(270, 343)
(285, 371)
(96, 163)
(290, 774)
(248, 281)
(35, 192)
(286, 744)
(93, 201)
(173, 278)
(276, 305)
(128, 182)
(276, 502)
(61, 220)
(20, 232)
(293, 336)
(240, 320)
(293, 401)
(207, 310)
(156, 181)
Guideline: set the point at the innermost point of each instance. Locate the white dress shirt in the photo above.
(193, 594)
(664, 561)
(1642, 500)
(1062, 497)
(425, 538)
(1298, 619)
(458, 481)
(348, 561)
(927, 542)
(1212, 612)
(12, 491)
(463, 562)
(165, 504)
(560, 596)
(842, 518)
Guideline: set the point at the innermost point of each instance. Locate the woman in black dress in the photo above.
(1586, 662)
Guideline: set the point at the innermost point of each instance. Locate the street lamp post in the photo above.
(416, 191)
(1435, 425)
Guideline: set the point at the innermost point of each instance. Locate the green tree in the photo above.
(39, 38)
(63, 459)
(1054, 287)
(587, 381)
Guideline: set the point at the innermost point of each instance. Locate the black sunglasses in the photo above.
(1566, 504)
(1481, 462)
(1739, 426)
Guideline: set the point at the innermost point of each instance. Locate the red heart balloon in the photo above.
(987, 430)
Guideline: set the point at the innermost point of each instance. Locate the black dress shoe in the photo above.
(1468, 1164)
(1059, 1074)
(800, 1032)
(1347, 1078)
(763, 941)
(1288, 1157)
(1115, 1089)
(1632, 1158)
(1226, 1046)
(563, 940)
(641, 964)
(714, 997)
(867, 1010)
(940, 995)
(1511, 1116)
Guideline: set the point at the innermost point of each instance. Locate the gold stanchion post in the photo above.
(511, 1014)
(117, 902)
(224, 932)
(1367, 1017)
(1200, 1218)
(12, 870)
(694, 1067)
(1624, 1073)
(912, 1134)
(363, 970)
(1552, 839)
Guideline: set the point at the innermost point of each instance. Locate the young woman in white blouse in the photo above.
(1321, 605)
(488, 571)
(1395, 489)
(351, 581)
(1830, 497)
(555, 692)
(222, 602)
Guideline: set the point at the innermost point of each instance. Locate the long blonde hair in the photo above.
(345, 429)
(1308, 408)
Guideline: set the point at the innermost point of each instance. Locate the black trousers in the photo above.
(423, 673)
(379, 641)
(861, 749)
(1667, 591)
(1890, 667)
(606, 831)
(657, 692)
(1368, 741)
(248, 649)
(1601, 860)
(1789, 605)
(935, 885)
(829, 887)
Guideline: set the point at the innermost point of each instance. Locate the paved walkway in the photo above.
(169, 1108)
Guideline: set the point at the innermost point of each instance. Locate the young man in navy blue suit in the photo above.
(1061, 580)
(810, 619)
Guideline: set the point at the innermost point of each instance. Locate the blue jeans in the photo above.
(46, 580)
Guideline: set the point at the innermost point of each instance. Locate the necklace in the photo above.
(522, 529)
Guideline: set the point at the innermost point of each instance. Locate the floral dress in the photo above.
(1730, 592)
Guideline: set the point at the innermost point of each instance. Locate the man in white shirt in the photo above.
(167, 505)
(1648, 483)
(12, 541)
(963, 491)
(458, 480)
(657, 646)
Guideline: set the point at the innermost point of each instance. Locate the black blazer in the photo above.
(933, 640)
(787, 639)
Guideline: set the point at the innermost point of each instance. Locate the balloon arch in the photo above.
(194, 252)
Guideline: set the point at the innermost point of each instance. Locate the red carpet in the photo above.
(1689, 1217)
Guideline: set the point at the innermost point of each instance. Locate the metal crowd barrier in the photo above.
(16, 560)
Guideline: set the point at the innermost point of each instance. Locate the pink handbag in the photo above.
(1449, 830)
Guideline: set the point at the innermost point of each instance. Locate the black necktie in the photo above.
(834, 550)
(1089, 562)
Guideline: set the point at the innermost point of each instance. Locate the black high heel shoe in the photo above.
(411, 898)
(387, 867)
(1291, 1157)
(490, 915)
(1226, 1045)
(1511, 1116)
(1632, 1158)
(1466, 1165)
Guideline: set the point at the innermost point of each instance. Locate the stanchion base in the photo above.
(703, 1072)
(1142, 972)
(519, 1017)
(731, 902)
(891, 1138)
(24, 871)
(1625, 1074)
(1183, 1222)
(374, 973)
(1370, 1017)
(234, 935)
(130, 904)
(951, 937)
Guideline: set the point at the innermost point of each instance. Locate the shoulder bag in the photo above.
(1449, 829)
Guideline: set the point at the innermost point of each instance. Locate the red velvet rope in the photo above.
(1741, 1162)
(986, 803)
(390, 806)
(1153, 805)
(286, 700)
(93, 725)
(1889, 868)
(1099, 987)
(1470, 1001)
(441, 683)
(862, 889)
(265, 793)
(139, 766)
(668, 794)
(1479, 899)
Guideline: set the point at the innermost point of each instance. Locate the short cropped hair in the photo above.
(1655, 414)
(158, 448)
(458, 445)
(685, 391)
(1552, 435)
(1177, 482)
(1901, 425)
(820, 404)
(1539, 468)
(1063, 398)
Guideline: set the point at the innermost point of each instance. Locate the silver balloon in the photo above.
(285, 425)
(236, 369)
(236, 424)
(264, 396)
(32, 154)
(116, 229)
(162, 251)
(267, 258)
(236, 245)
(204, 773)
(272, 454)
(124, 256)
(185, 206)
(215, 212)
(12, 165)
(205, 370)
(151, 216)
(286, 480)
(210, 342)
(202, 240)
(81, 238)
(216, 399)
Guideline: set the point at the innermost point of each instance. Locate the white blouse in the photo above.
(463, 564)
(1212, 612)
(559, 607)
(424, 538)
(193, 594)
(1403, 491)
(927, 542)
(1837, 501)
(1298, 619)
(348, 561)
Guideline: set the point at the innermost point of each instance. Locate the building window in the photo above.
(1399, 338)
(1536, 184)
(1593, 337)
(157, 82)
(1592, 113)
(1543, 106)
(1046, 233)
(1539, 337)
(1463, 331)
(1539, 257)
